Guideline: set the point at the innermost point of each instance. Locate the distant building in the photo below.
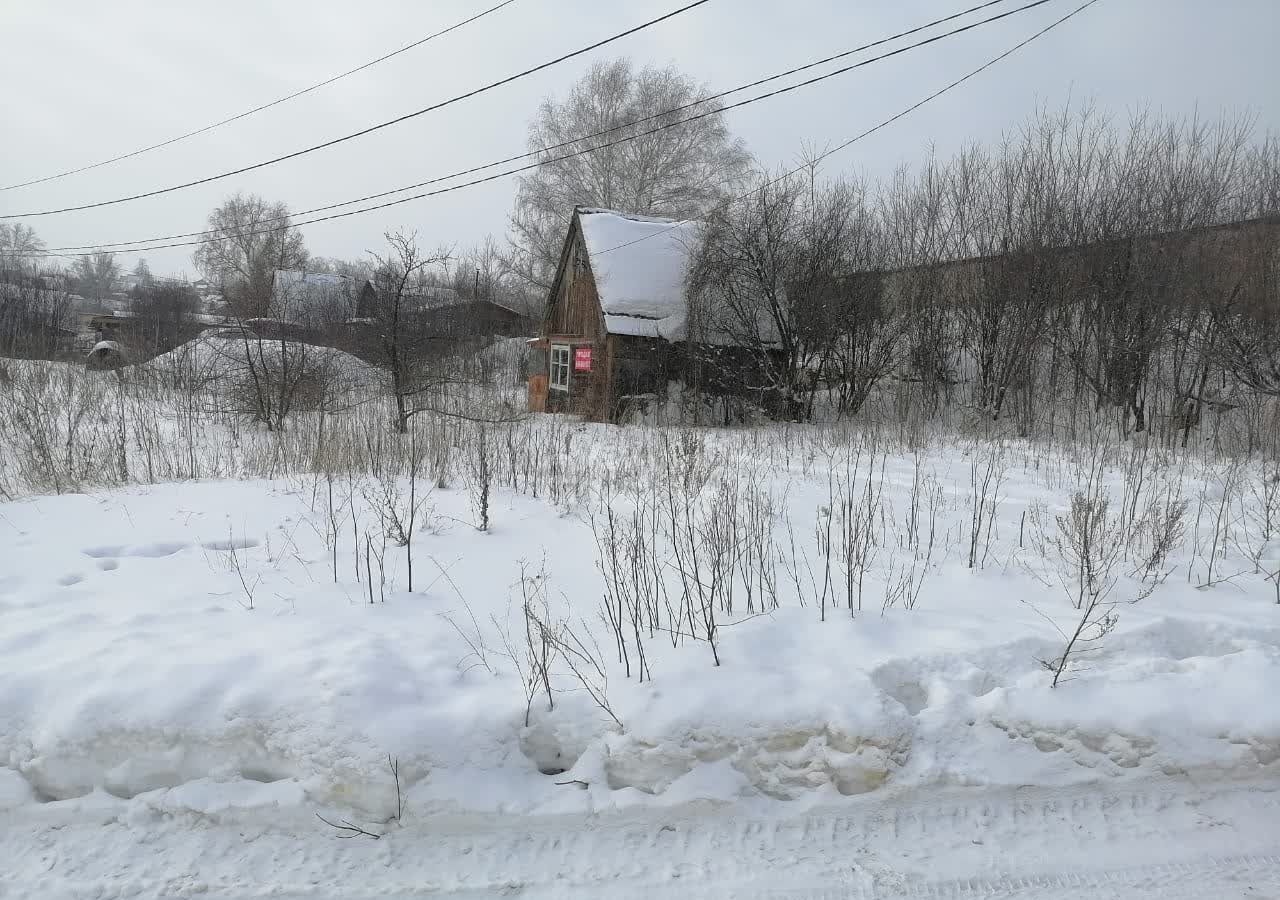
(126, 283)
(439, 312)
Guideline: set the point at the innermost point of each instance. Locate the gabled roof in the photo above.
(639, 264)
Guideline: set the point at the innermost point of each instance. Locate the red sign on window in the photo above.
(582, 359)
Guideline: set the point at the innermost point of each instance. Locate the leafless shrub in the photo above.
(248, 586)
(273, 379)
(1214, 506)
(1160, 531)
(758, 559)
(987, 470)
(627, 581)
(827, 551)
(918, 537)
(582, 656)
(542, 639)
(479, 463)
(1256, 521)
(376, 553)
(859, 510)
(400, 512)
(471, 635)
(1086, 550)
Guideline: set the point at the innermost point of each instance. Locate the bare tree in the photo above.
(1148, 197)
(1246, 311)
(1004, 213)
(142, 272)
(275, 371)
(740, 281)
(163, 313)
(913, 215)
(680, 171)
(403, 342)
(251, 238)
(35, 314)
(95, 275)
(792, 275)
(18, 246)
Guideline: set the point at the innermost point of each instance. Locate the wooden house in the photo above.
(473, 318)
(617, 329)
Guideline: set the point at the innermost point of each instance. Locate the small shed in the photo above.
(616, 328)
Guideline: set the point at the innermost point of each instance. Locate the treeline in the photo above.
(1078, 266)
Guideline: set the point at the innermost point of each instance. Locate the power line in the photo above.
(571, 142)
(668, 125)
(889, 121)
(257, 109)
(580, 152)
(372, 128)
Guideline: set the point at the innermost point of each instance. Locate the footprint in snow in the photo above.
(100, 552)
(146, 551)
(230, 544)
(164, 548)
(70, 579)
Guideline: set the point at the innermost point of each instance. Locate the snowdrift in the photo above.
(223, 362)
(131, 662)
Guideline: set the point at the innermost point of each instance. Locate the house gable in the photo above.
(573, 304)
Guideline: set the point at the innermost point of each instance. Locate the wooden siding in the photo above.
(576, 307)
(574, 319)
(538, 392)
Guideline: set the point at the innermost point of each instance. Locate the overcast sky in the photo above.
(81, 80)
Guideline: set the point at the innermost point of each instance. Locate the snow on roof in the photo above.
(639, 264)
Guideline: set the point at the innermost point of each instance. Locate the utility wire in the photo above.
(889, 121)
(582, 151)
(553, 147)
(563, 144)
(365, 131)
(733, 200)
(257, 109)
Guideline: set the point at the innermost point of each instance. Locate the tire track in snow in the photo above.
(1219, 878)
(1081, 842)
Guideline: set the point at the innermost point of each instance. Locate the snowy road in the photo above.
(1165, 838)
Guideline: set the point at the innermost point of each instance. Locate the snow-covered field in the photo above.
(647, 669)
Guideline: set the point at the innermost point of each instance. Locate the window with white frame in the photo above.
(560, 367)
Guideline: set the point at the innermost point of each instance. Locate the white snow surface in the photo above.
(139, 693)
(640, 264)
(131, 663)
(222, 357)
(1151, 839)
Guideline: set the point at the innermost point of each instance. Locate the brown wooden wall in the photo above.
(574, 318)
(576, 310)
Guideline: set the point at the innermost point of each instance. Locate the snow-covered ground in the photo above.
(189, 672)
(1144, 840)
